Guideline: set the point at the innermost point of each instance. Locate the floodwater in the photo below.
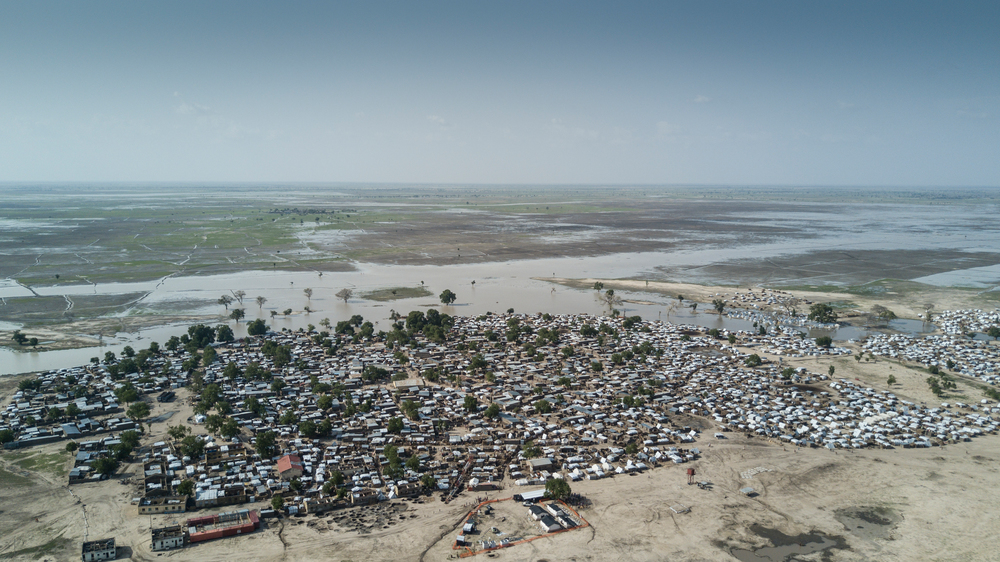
(498, 287)
(700, 254)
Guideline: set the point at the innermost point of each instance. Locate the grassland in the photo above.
(55, 465)
(396, 293)
(8, 478)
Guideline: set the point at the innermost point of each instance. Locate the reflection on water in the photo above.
(498, 286)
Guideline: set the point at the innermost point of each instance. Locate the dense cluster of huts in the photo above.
(357, 417)
(973, 358)
(960, 322)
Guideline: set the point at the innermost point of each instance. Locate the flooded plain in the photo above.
(179, 250)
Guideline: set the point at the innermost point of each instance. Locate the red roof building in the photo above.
(290, 466)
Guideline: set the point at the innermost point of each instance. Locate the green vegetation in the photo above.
(448, 297)
(8, 478)
(557, 488)
(395, 293)
(53, 464)
(823, 313)
(52, 549)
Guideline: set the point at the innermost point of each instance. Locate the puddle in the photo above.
(786, 546)
(161, 418)
(869, 523)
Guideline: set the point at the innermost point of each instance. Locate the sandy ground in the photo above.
(936, 504)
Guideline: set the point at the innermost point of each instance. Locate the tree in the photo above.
(543, 406)
(557, 488)
(185, 488)
(345, 294)
(596, 366)
(719, 305)
(237, 314)
(883, 313)
(832, 370)
(492, 412)
(54, 413)
(753, 361)
(610, 298)
(19, 337)
(224, 333)
(822, 313)
(470, 403)
(598, 286)
(105, 466)
(993, 332)
(447, 297)
(192, 446)
(891, 380)
(530, 450)
(71, 447)
(307, 428)
(277, 385)
(395, 425)
(177, 432)
(226, 300)
(478, 362)
(257, 327)
(130, 438)
(824, 341)
(428, 481)
(413, 463)
(265, 444)
(239, 296)
(138, 411)
(337, 478)
(6, 436)
(277, 502)
(308, 293)
(260, 302)
(126, 393)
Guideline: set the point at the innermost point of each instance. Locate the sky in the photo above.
(576, 92)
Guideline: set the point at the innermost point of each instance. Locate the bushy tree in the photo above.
(822, 313)
(265, 445)
(557, 488)
(105, 466)
(186, 488)
(470, 403)
(257, 328)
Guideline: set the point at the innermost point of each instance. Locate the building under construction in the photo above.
(222, 525)
(166, 538)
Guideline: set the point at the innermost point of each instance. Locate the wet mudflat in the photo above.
(787, 546)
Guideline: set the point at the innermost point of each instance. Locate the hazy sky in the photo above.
(803, 92)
